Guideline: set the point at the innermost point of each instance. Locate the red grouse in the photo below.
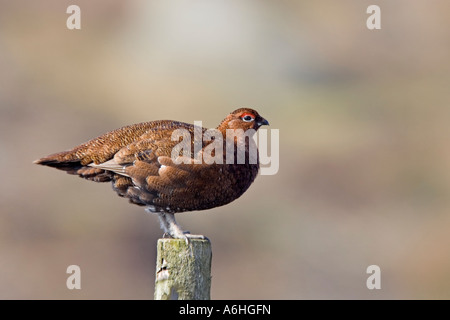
(143, 163)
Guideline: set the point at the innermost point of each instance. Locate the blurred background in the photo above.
(363, 116)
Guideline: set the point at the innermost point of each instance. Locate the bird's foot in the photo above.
(188, 236)
(173, 230)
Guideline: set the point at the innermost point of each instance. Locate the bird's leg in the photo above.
(175, 230)
(170, 226)
(163, 223)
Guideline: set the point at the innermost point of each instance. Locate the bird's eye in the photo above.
(248, 117)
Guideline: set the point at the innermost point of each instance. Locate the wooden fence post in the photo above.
(183, 271)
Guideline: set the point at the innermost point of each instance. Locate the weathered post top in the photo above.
(183, 270)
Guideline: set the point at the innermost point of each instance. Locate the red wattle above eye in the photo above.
(248, 114)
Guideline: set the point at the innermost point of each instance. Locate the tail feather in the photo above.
(74, 167)
(54, 162)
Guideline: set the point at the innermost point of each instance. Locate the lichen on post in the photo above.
(183, 270)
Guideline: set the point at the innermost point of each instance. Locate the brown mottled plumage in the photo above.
(137, 160)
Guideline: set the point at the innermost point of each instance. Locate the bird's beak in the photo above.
(262, 122)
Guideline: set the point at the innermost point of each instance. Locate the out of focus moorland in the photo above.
(363, 117)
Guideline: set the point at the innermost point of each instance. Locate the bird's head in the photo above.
(243, 118)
